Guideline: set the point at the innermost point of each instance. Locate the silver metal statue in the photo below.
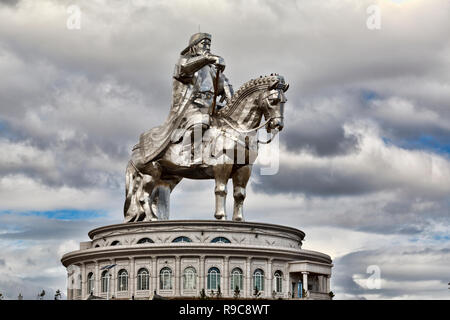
(210, 133)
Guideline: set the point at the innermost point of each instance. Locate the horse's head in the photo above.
(273, 101)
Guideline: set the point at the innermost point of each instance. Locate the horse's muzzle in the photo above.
(276, 123)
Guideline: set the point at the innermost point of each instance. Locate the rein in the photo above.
(254, 129)
(265, 97)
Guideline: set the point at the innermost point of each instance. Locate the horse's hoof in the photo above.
(238, 219)
(220, 216)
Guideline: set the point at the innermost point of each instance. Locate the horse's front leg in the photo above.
(240, 180)
(146, 198)
(222, 173)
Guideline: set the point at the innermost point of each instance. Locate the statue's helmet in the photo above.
(195, 39)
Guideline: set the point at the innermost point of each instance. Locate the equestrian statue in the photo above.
(210, 133)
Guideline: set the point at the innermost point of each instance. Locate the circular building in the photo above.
(180, 258)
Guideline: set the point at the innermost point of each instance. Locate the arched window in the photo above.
(278, 281)
(145, 240)
(97, 246)
(105, 277)
(115, 243)
(236, 279)
(182, 239)
(90, 283)
(122, 280)
(258, 280)
(189, 278)
(143, 279)
(213, 282)
(220, 240)
(165, 279)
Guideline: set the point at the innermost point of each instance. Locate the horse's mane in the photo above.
(245, 90)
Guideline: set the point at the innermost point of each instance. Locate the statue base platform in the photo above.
(180, 258)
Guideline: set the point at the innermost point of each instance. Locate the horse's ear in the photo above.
(286, 87)
(274, 85)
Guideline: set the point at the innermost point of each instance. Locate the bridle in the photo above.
(264, 98)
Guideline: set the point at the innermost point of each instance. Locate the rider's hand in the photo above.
(218, 61)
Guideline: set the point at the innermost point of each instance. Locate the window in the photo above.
(165, 279)
(220, 240)
(122, 280)
(258, 280)
(213, 282)
(236, 279)
(143, 279)
(105, 276)
(278, 281)
(182, 239)
(189, 278)
(90, 283)
(115, 243)
(145, 240)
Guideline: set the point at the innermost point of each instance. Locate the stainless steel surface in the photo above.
(195, 142)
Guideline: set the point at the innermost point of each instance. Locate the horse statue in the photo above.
(229, 149)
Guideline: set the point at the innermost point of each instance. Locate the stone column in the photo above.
(83, 281)
(113, 280)
(305, 281)
(269, 282)
(328, 288)
(177, 276)
(248, 278)
(154, 273)
(201, 274)
(132, 279)
(69, 287)
(97, 280)
(285, 284)
(226, 276)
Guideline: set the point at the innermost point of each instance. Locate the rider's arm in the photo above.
(186, 67)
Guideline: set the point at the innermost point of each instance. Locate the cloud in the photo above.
(402, 273)
(374, 166)
(24, 227)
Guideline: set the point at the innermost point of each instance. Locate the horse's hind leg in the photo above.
(240, 180)
(222, 173)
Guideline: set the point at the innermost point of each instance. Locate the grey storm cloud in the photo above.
(401, 272)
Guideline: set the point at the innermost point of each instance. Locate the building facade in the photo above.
(181, 258)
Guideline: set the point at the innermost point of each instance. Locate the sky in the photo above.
(364, 161)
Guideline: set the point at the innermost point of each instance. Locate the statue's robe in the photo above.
(153, 142)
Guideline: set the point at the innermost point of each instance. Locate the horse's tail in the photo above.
(132, 176)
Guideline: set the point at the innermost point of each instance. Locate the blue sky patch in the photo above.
(423, 142)
(368, 95)
(65, 214)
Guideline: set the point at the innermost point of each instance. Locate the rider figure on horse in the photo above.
(197, 83)
(199, 74)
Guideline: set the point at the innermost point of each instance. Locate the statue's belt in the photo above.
(204, 95)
